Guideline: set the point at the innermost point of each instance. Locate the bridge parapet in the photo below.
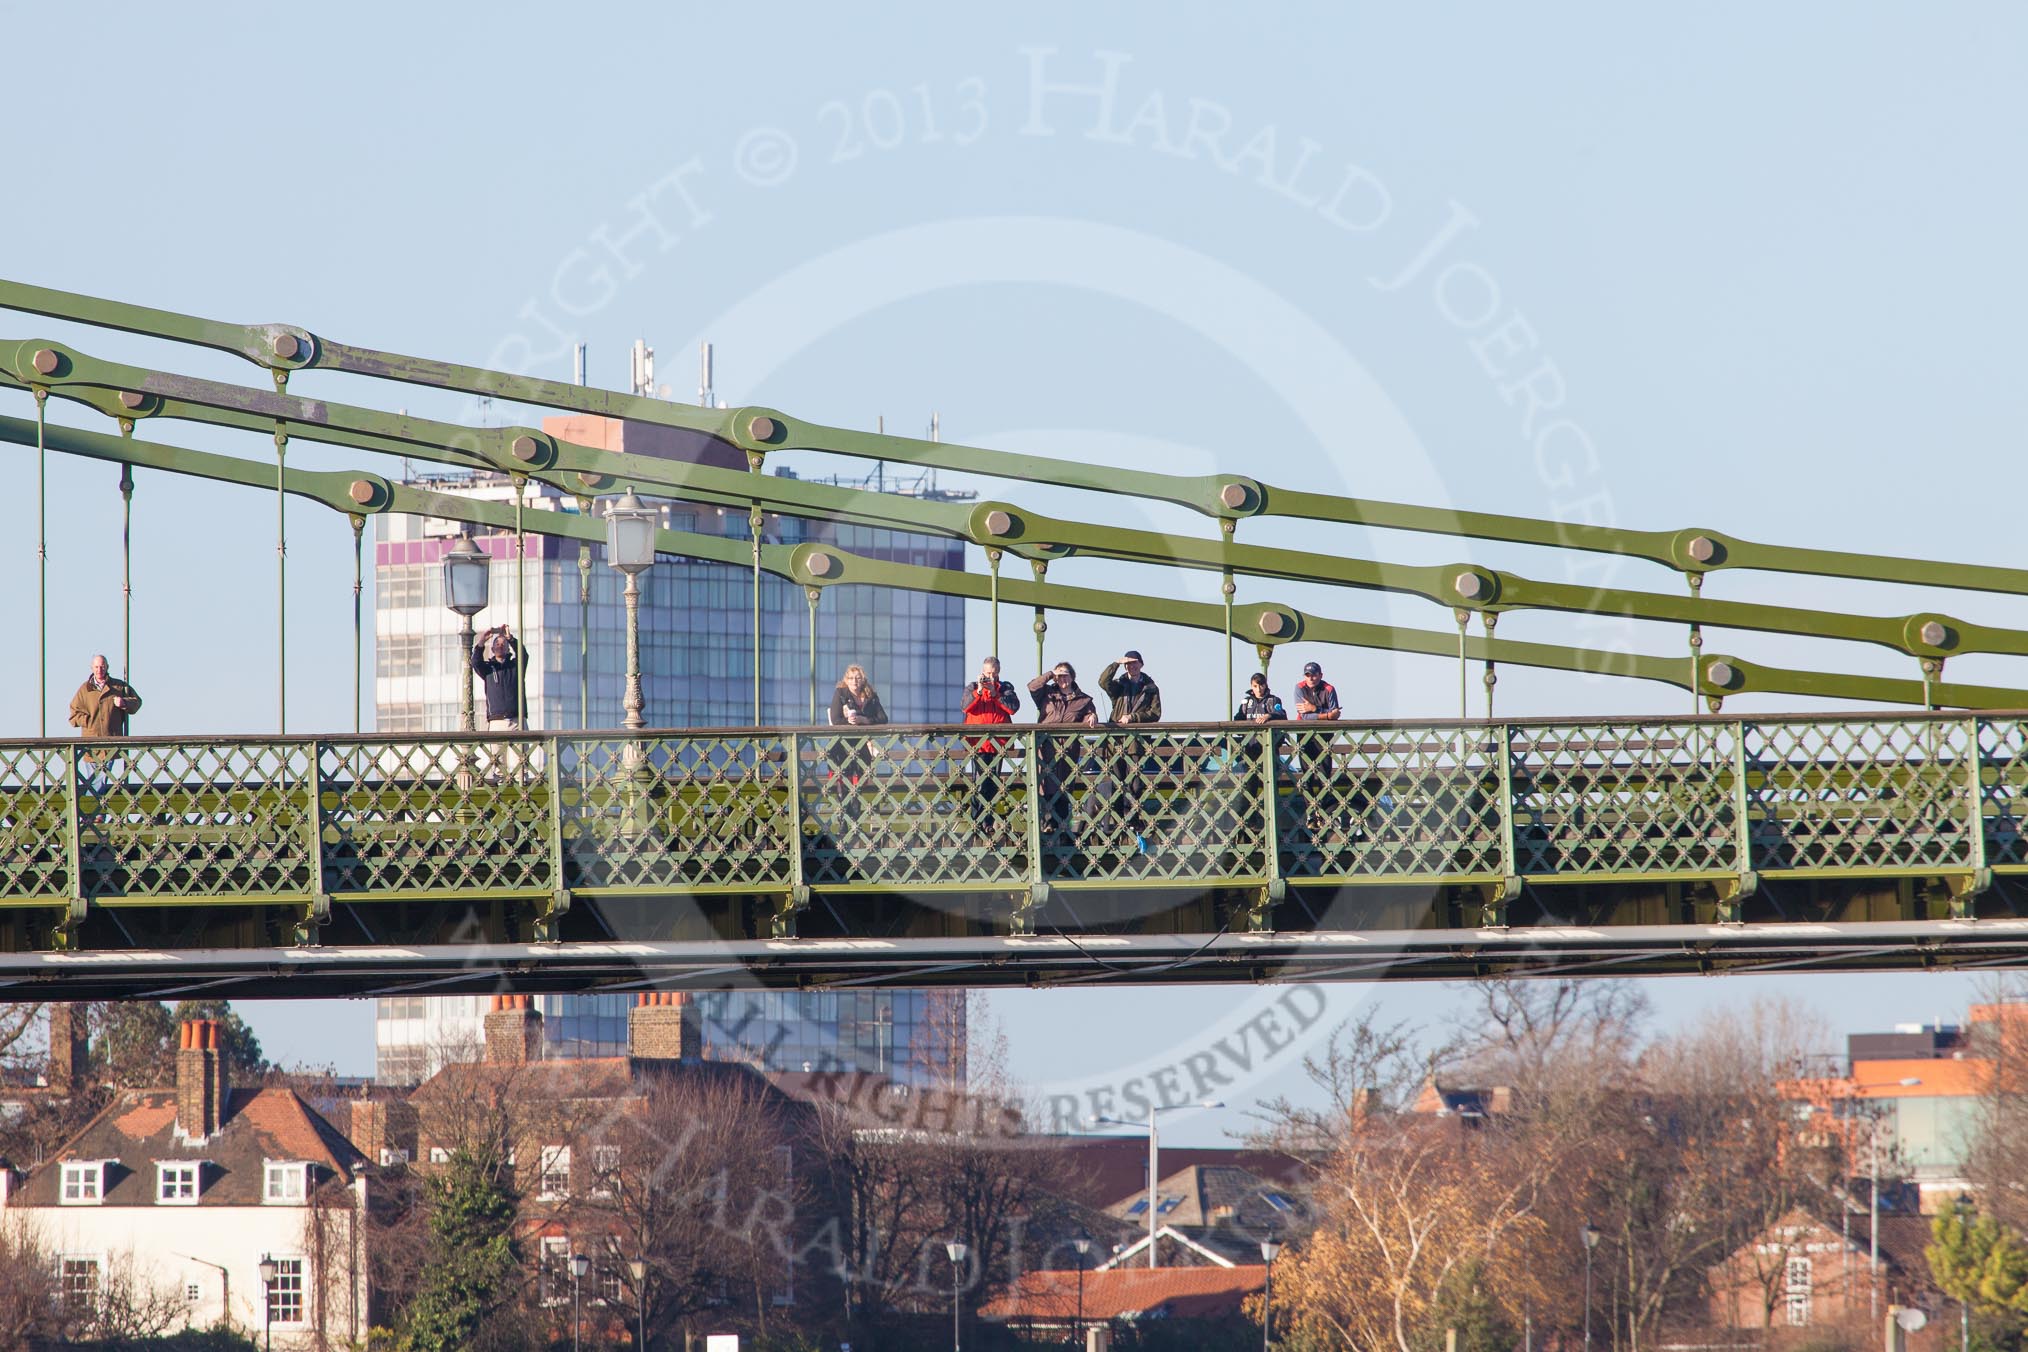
(1222, 827)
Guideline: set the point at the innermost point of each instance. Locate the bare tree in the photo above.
(1364, 1068)
(698, 1179)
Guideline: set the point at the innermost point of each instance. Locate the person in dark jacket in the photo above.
(497, 660)
(1058, 699)
(1136, 700)
(988, 700)
(1058, 703)
(1135, 696)
(1260, 704)
(854, 704)
(1317, 701)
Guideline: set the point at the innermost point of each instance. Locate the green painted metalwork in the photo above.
(1208, 494)
(1463, 586)
(334, 490)
(311, 821)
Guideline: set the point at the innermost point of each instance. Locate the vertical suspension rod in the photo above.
(583, 624)
(281, 585)
(520, 608)
(358, 640)
(41, 568)
(753, 521)
(126, 560)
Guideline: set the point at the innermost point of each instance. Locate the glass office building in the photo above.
(697, 671)
(913, 1037)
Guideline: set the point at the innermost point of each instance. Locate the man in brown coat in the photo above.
(101, 706)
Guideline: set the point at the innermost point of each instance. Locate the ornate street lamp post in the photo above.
(1269, 1247)
(1591, 1234)
(1083, 1246)
(630, 547)
(267, 1270)
(637, 1267)
(468, 576)
(956, 1253)
(579, 1265)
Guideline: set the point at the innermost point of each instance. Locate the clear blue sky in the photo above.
(1769, 253)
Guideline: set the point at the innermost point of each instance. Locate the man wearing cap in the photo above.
(1315, 697)
(1136, 699)
(1317, 701)
(1135, 696)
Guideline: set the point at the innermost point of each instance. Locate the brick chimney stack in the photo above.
(201, 1086)
(663, 1026)
(68, 1053)
(513, 1031)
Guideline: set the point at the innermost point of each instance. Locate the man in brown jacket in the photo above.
(101, 706)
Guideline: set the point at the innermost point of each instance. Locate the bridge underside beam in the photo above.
(986, 961)
(1348, 934)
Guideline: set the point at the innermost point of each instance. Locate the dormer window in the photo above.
(177, 1182)
(84, 1182)
(286, 1182)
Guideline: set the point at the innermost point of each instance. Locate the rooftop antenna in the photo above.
(880, 466)
(936, 426)
(644, 369)
(705, 397)
(577, 365)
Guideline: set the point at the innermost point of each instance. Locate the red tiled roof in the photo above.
(138, 1129)
(1126, 1293)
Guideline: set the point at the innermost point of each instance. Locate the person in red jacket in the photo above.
(988, 700)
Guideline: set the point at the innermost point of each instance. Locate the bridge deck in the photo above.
(908, 835)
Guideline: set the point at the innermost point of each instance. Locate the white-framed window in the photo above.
(176, 1182)
(78, 1279)
(553, 1269)
(284, 1182)
(605, 1164)
(607, 1274)
(392, 1155)
(555, 1180)
(1796, 1287)
(285, 1292)
(84, 1182)
(439, 1155)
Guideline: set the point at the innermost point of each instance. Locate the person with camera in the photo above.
(497, 661)
(988, 700)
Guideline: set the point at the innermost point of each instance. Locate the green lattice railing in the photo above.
(898, 810)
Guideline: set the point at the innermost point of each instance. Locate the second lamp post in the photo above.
(468, 576)
(630, 547)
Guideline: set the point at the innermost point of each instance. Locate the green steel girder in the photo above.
(576, 468)
(335, 490)
(1689, 551)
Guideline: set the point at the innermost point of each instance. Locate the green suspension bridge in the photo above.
(575, 859)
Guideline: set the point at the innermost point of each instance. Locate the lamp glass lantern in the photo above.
(1270, 1249)
(468, 577)
(579, 1265)
(630, 534)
